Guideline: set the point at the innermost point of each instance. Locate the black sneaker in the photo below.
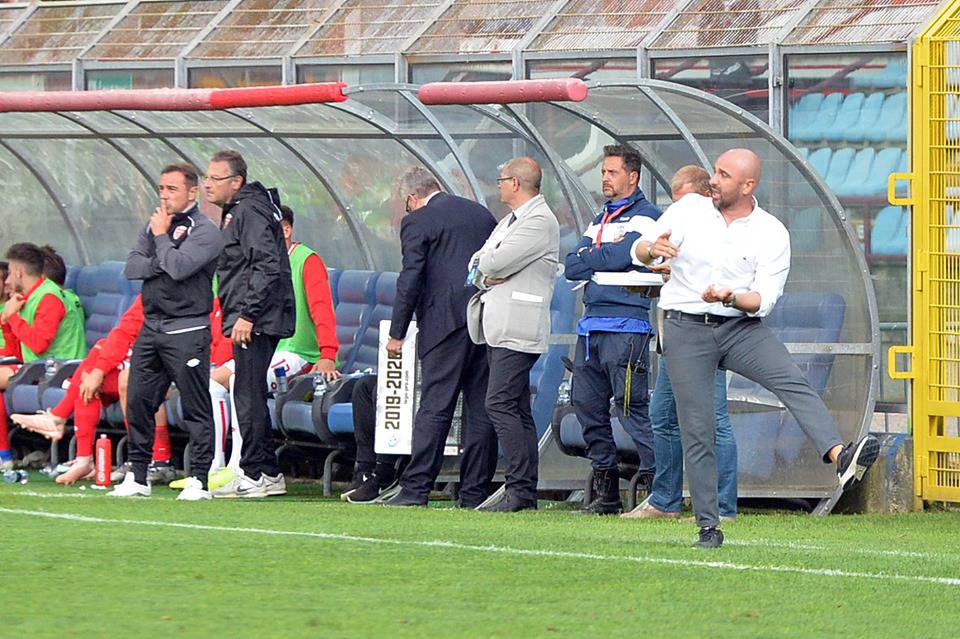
(366, 492)
(358, 478)
(854, 460)
(711, 537)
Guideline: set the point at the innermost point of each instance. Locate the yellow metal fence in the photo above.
(935, 197)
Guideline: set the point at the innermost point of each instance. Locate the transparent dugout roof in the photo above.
(92, 175)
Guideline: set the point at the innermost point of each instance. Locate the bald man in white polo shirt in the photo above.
(729, 262)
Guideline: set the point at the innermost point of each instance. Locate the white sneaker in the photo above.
(242, 486)
(193, 491)
(130, 488)
(274, 485)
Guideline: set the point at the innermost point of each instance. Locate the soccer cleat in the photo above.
(161, 472)
(6, 465)
(45, 423)
(220, 477)
(193, 491)
(120, 472)
(646, 510)
(710, 537)
(854, 460)
(274, 486)
(130, 488)
(180, 484)
(242, 486)
(78, 470)
(366, 492)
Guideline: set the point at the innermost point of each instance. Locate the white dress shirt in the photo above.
(749, 254)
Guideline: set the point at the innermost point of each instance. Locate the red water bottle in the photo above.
(104, 455)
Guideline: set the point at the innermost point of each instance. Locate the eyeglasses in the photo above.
(509, 177)
(214, 178)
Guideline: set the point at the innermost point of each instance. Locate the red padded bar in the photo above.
(278, 96)
(504, 92)
(171, 99)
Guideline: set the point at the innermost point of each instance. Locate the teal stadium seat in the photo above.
(847, 116)
(888, 235)
(869, 115)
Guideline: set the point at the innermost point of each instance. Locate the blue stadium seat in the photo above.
(826, 114)
(803, 152)
(855, 183)
(888, 234)
(839, 168)
(105, 293)
(356, 295)
(820, 160)
(892, 76)
(803, 115)
(368, 347)
(891, 125)
(886, 163)
(869, 114)
(847, 116)
(333, 276)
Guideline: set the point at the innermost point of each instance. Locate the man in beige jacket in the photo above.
(515, 269)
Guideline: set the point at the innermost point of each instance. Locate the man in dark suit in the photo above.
(438, 239)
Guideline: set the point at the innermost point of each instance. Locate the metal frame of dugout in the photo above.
(301, 147)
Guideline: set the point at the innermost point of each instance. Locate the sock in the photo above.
(64, 409)
(236, 440)
(161, 443)
(85, 420)
(221, 417)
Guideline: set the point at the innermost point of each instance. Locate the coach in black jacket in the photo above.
(256, 294)
(438, 238)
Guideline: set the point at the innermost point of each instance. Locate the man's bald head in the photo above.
(527, 172)
(736, 176)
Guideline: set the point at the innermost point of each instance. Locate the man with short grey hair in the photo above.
(437, 239)
(515, 270)
(729, 262)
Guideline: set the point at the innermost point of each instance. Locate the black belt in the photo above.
(699, 318)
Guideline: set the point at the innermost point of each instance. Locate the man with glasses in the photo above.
(516, 270)
(437, 239)
(259, 309)
(176, 257)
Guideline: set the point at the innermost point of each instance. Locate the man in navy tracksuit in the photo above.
(614, 333)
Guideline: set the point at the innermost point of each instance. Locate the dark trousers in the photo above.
(453, 366)
(508, 404)
(364, 401)
(257, 455)
(159, 359)
(693, 351)
(600, 373)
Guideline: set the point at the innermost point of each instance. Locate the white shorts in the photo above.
(292, 364)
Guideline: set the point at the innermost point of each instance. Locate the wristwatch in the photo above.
(730, 302)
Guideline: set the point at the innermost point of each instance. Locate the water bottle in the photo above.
(16, 476)
(319, 386)
(281, 374)
(51, 368)
(103, 460)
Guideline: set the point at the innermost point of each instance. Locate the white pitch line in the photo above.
(504, 550)
(746, 543)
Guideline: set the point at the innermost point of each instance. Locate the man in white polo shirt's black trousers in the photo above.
(729, 261)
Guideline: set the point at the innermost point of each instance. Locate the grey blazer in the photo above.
(516, 313)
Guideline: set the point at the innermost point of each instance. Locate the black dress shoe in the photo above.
(710, 537)
(403, 499)
(510, 504)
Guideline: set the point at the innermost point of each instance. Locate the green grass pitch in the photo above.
(76, 564)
